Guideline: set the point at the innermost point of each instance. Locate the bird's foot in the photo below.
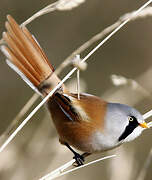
(79, 159)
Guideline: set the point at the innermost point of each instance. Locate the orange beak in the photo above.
(144, 125)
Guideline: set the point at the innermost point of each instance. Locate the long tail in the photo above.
(26, 57)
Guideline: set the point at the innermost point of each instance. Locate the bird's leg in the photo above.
(78, 157)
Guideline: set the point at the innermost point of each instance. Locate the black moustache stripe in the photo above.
(129, 129)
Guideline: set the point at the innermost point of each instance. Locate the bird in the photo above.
(88, 123)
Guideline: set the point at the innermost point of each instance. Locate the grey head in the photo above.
(123, 123)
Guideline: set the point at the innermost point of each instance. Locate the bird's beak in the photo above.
(144, 125)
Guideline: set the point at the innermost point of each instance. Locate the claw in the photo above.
(79, 160)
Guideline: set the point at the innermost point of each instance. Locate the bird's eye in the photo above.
(130, 118)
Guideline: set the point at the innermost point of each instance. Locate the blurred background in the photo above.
(36, 151)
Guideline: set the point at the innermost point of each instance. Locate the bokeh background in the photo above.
(35, 150)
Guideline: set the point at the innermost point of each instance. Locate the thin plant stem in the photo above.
(60, 171)
(47, 9)
(147, 115)
(78, 83)
(14, 124)
(144, 13)
(58, 5)
(149, 124)
(87, 44)
(116, 30)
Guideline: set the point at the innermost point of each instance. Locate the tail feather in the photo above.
(37, 46)
(27, 48)
(26, 54)
(15, 68)
(19, 59)
(20, 65)
(22, 43)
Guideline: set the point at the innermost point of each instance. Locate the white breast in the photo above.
(101, 142)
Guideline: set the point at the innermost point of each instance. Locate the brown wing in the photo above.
(93, 106)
